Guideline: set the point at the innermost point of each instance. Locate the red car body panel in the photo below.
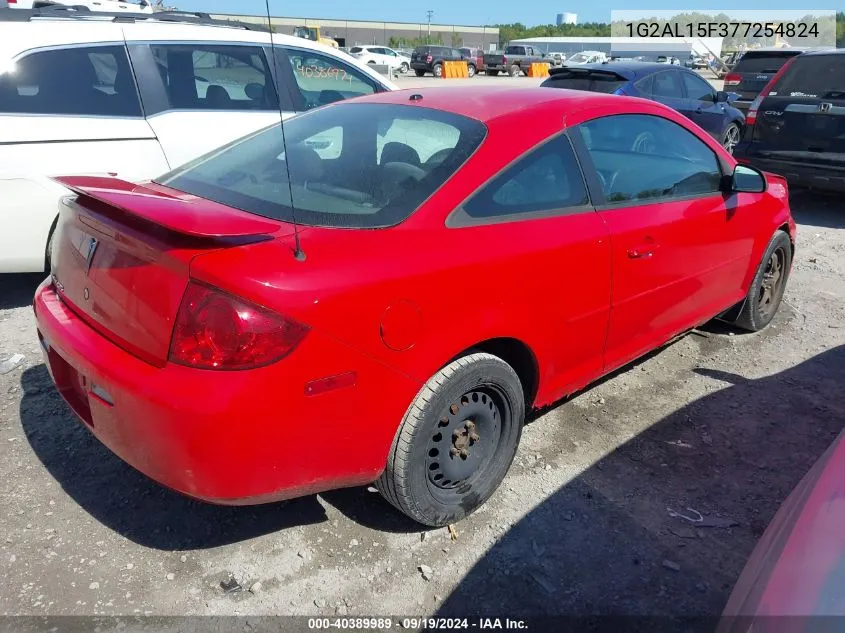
(796, 574)
(391, 306)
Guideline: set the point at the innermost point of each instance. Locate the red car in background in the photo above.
(384, 295)
(795, 578)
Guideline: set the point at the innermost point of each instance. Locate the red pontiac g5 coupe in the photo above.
(446, 275)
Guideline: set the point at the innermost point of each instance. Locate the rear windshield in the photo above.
(762, 62)
(349, 165)
(515, 50)
(819, 76)
(592, 82)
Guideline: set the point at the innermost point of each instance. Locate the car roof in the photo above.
(825, 51)
(20, 37)
(488, 102)
(628, 70)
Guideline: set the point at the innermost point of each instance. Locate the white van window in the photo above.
(93, 81)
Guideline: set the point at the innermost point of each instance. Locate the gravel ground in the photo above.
(587, 522)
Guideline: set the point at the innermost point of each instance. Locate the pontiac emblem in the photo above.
(92, 249)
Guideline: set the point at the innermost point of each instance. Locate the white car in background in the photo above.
(381, 55)
(586, 57)
(112, 6)
(138, 97)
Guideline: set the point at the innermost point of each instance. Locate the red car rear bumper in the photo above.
(229, 437)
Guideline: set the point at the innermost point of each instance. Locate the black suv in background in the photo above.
(796, 126)
(754, 70)
(429, 59)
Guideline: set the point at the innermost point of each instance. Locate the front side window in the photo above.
(214, 77)
(546, 180)
(641, 157)
(362, 165)
(95, 81)
(697, 88)
(321, 79)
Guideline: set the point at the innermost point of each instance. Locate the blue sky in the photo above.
(470, 12)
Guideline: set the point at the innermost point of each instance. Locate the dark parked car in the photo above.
(474, 58)
(754, 70)
(429, 59)
(514, 60)
(796, 126)
(674, 86)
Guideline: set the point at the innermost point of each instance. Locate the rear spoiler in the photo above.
(575, 71)
(172, 210)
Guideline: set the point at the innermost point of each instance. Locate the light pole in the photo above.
(428, 37)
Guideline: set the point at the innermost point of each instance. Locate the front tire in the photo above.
(730, 139)
(457, 441)
(404, 68)
(471, 70)
(769, 284)
(438, 70)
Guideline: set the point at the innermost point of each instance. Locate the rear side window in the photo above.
(360, 165)
(666, 84)
(356, 49)
(816, 76)
(761, 62)
(322, 79)
(93, 81)
(547, 179)
(209, 77)
(592, 82)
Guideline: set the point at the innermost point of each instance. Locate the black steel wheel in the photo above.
(457, 441)
(769, 284)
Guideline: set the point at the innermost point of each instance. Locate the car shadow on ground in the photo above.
(817, 209)
(18, 290)
(612, 542)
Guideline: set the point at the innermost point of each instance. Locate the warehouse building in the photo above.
(396, 34)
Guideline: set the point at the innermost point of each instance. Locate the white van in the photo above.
(138, 98)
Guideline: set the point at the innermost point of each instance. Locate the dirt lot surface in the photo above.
(589, 521)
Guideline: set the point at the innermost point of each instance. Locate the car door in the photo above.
(681, 247)
(541, 204)
(667, 89)
(702, 105)
(65, 111)
(201, 95)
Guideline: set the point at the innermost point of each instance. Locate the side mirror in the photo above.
(747, 179)
(721, 96)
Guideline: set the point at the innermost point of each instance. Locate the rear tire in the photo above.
(471, 70)
(514, 71)
(769, 284)
(438, 70)
(457, 441)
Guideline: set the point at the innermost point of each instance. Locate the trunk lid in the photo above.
(122, 253)
(803, 117)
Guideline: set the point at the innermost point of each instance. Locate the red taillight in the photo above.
(751, 117)
(215, 330)
(733, 79)
(429, 59)
(504, 59)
